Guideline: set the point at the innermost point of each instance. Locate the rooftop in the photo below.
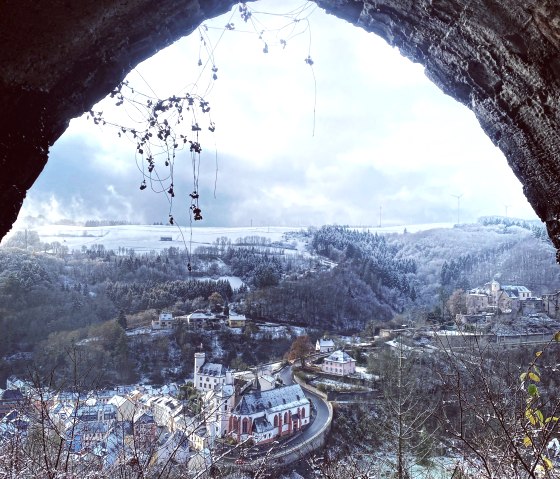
(11, 395)
(212, 369)
(272, 400)
(339, 357)
(261, 424)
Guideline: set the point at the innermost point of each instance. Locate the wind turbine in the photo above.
(507, 206)
(458, 206)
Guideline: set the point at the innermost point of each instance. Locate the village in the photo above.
(281, 410)
(234, 414)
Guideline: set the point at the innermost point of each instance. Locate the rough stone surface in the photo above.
(501, 59)
(59, 58)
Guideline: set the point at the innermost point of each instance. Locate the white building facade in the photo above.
(324, 345)
(164, 321)
(339, 363)
(207, 376)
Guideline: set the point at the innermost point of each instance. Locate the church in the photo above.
(256, 410)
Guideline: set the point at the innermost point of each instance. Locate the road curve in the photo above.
(321, 420)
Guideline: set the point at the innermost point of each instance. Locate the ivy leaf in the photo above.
(527, 441)
(538, 353)
(547, 462)
(532, 390)
(557, 337)
(522, 377)
(534, 377)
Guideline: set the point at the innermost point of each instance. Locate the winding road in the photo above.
(321, 418)
(300, 445)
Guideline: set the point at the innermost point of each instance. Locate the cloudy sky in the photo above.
(382, 137)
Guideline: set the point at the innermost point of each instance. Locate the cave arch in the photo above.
(501, 61)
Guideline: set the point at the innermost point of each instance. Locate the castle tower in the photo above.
(229, 377)
(199, 360)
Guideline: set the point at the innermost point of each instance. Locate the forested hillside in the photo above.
(332, 279)
(373, 277)
(471, 255)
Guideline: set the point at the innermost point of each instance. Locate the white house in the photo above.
(125, 407)
(97, 412)
(26, 387)
(164, 321)
(324, 345)
(219, 403)
(266, 415)
(207, 376)
(199, 439)
(165, 409)
(339, 363)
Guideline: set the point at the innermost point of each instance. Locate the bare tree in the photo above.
(500, 421)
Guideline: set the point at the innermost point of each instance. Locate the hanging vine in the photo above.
(170, 129)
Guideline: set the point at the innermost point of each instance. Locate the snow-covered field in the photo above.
(145, 238)
(362, 371)
(337, 385)
(234, 281)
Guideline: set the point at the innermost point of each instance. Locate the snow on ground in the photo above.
(145, 330)
(394, 344)
(274, 331)
(217, 350)
(234, 281)
(382, 465)
(298, 331)
(337, 385)
(362, 371)
(146, 238)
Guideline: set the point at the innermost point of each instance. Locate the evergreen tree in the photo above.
(121, 320)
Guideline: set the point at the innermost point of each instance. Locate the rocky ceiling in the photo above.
(499, 58)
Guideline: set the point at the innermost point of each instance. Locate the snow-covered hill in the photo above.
(145, 238)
